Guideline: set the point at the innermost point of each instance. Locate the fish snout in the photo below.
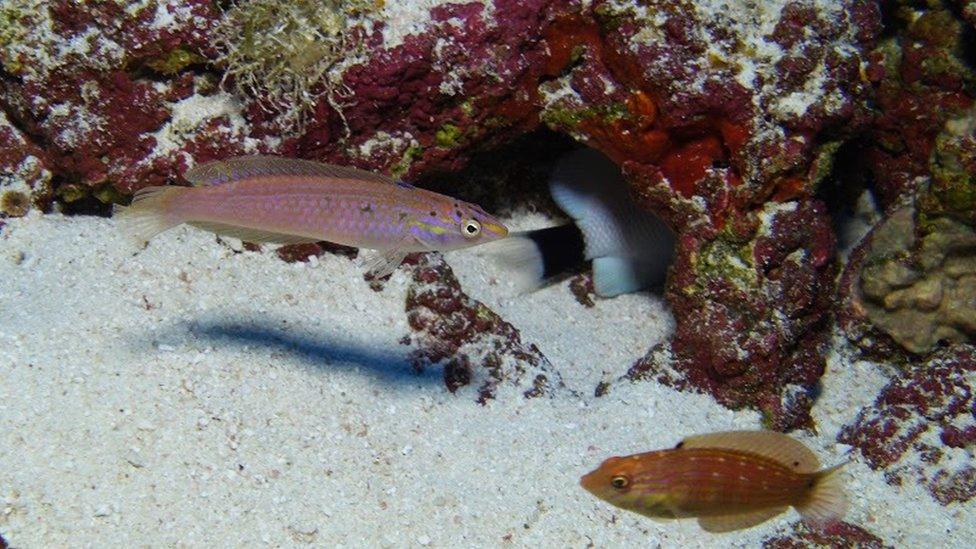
(590, 482)
(497, 230)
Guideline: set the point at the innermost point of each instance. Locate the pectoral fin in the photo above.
(384, 263)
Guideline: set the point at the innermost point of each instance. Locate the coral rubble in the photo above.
(837, 536)
(922, 427)
(474, 344)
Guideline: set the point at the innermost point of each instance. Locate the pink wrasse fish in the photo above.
(727, 480)
(287, 201)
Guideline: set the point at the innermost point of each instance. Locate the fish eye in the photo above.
(619, 482)
(470, 228)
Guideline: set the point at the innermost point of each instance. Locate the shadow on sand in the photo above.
(326, 352)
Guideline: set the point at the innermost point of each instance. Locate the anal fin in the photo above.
(728, 523)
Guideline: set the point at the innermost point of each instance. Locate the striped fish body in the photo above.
(355, 213)
(289, 201)
(728, 481)
(710, 482)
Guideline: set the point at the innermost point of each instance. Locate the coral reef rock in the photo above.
(835, 536)
(473, 344)
(910, 284)
(922, 427)
(917, 285)
(922, 81)
(748, 296)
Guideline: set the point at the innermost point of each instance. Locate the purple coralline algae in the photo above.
(836, 536)
(922, 427)
(472, 343)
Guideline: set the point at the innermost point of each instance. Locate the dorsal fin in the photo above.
(769, 444)
(241, 167)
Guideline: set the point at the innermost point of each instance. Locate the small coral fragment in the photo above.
(836, 536)
(473, 344)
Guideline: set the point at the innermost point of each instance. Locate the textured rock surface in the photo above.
(922, 427)
(918, 290)
(838, 536)
(922, 81)
(909, 285)
(740, 301)
(470, 342)
(115, 93)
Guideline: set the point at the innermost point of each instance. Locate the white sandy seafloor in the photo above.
(190, 395)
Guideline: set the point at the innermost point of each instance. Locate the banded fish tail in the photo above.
(827, 501)
(150, 213)
(535, 258)
(618, 275)
(630, 247)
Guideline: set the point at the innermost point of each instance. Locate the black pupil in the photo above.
(472, 228)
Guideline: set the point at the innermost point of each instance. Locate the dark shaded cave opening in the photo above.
(510, 177)
(849, 194)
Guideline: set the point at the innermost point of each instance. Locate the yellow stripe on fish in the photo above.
(282, 200)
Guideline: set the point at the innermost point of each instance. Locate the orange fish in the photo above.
(729, 481)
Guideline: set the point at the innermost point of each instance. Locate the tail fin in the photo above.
(613, 276)
(827, 501)
(534, 258)
(149, 214)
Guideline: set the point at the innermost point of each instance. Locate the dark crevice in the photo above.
(88, 205)
(139, 69)
(841, 190)
(891, 23)
(514, 175)
(967, 39)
